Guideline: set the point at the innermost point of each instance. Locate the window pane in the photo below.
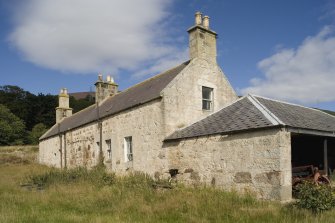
(129, 148)
(206, 105)
(207, 95)
(109, 148)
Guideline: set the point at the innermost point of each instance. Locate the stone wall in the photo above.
(182, 98)
(143, 123)
(81, 146)
(49, 152)
(257, 162)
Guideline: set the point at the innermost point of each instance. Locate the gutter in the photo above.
(310, 132)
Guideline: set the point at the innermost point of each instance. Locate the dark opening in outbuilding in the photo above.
(318, 151)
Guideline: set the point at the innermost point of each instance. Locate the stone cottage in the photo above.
(188, 121)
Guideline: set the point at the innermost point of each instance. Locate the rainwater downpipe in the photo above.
(65, 162)
(60, 147)
(100, 135)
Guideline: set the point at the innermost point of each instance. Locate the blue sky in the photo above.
(279, 49)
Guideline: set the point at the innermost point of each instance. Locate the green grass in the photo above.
(80, 195)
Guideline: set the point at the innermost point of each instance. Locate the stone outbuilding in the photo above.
(252, 145)
(189, 122)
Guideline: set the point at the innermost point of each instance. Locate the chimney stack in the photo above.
(104, 89)
(63, 110)
(202, 40)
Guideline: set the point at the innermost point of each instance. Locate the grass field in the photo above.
(95, 196)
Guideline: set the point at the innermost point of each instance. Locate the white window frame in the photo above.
(128, 148)
(109, 148)
(208, 101)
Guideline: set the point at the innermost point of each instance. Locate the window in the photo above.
(128, 148)
(207, 98)
(109, 148)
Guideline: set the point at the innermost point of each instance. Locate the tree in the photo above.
(80, 104)
(37, 131)
(12, 128)
(32, 109)
(35, 109)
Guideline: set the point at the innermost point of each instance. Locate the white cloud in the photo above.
(305, 75)
(84, 36)
(163, 64)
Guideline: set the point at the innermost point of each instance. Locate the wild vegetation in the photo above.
(317, 198)
(34, 193)
(24, 117)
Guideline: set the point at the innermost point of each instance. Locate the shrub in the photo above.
(137, 180)
(316, 198)
(96, 176)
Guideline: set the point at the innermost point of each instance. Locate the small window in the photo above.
(128, 148)
(109, 148)
(207, 98)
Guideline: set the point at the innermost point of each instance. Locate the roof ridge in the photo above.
(153, 77)
(289, 103)
(140, 83)
(265, 111)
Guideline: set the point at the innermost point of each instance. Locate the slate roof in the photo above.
(139, 94)
(298, 116)
(254, 112)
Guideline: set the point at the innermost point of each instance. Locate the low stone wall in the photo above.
(257, 162)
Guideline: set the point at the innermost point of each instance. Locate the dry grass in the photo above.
(131, 199)
(18, 154)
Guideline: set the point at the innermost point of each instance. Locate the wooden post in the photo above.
(325, 155)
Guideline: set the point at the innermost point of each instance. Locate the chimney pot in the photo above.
(198, 19)
(108, 78)
(100, 77)
(205, 21)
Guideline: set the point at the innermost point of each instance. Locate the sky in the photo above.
(279, 49)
